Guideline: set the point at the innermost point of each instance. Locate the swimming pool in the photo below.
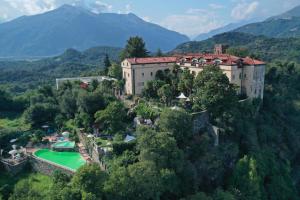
(69, 160)
(64, 144)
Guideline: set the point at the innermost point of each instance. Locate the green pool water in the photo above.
(70, 160)
(64, 144)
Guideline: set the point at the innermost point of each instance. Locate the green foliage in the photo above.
(112, 117)
(165, 94)
(186, 82)
(214, 92)
(23, 75)
(107, 64)
(246, 179)
(120, 147)
(161, 149)
(34, 187)
(38, 114)
(135, 48)
(115, 71)
(145, 111)
(178, 123)
(90, 179)
(151, 88)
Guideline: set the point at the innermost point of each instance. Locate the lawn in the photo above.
(103, 143)
(13, 121)
(37, 182)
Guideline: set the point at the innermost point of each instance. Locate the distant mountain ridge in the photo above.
(227, 28)
(281, 26)
(262, 47)
(53, 32)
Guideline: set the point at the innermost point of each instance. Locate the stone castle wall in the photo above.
(200, 121)
(47, 168)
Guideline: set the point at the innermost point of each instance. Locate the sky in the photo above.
(190, 17)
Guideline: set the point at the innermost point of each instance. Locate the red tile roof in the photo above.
(225, 58)
(152, 60)
(210, 58)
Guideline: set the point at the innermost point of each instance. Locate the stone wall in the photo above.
(14, 168)
(47, 168)
(200, 121)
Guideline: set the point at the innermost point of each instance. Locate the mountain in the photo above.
(262, 47)
(24, 74)
(284, 25)
(51, 33)
(227, 28)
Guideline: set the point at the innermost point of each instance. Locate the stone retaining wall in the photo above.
(14, 168)
(200, 121)
(47, 168)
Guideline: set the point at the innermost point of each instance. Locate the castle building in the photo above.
(246, 73)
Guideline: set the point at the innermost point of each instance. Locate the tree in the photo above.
(159, 53)
(246, 179)
(161, 149)
(135, 48)
(165, 93)
(107, 63)
(214, 92)
(115, 71)
(68, 104)
(90, 102)
(112, 117)
(38, 114)
(178, 123)
(138, 181)
(145, 111)
(186, 82)
(151, 88)
(90, 179)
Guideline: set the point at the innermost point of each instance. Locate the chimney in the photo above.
(220, 49)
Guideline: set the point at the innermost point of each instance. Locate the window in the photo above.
(151, 73)
(143, 74)
(140, 84)
(240, 76)
(128, 74)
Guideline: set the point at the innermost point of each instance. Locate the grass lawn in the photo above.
(13, 121)
(37, 183)
(103, 143)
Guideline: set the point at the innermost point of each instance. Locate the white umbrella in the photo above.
(90, 136)
(13, 152)
(182, 96)
(13, 140)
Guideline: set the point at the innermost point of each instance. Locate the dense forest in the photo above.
(257, 156)
(21, 75)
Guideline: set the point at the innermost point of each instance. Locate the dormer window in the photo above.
(217, 61)
(202, 61)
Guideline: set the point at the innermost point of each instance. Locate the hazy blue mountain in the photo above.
(262, 47)
(53, 32)
(284, 25)
(227, 28)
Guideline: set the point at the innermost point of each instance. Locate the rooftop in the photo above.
(152, 60)
(209, 59)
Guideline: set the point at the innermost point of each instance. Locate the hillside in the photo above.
(28, 74)
(281, 26)
(53, 32)
(262, 47)
(227, 28)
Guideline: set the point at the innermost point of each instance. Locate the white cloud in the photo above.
(244, 10)
(216, 6)
(193, 22)
(15, 8)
